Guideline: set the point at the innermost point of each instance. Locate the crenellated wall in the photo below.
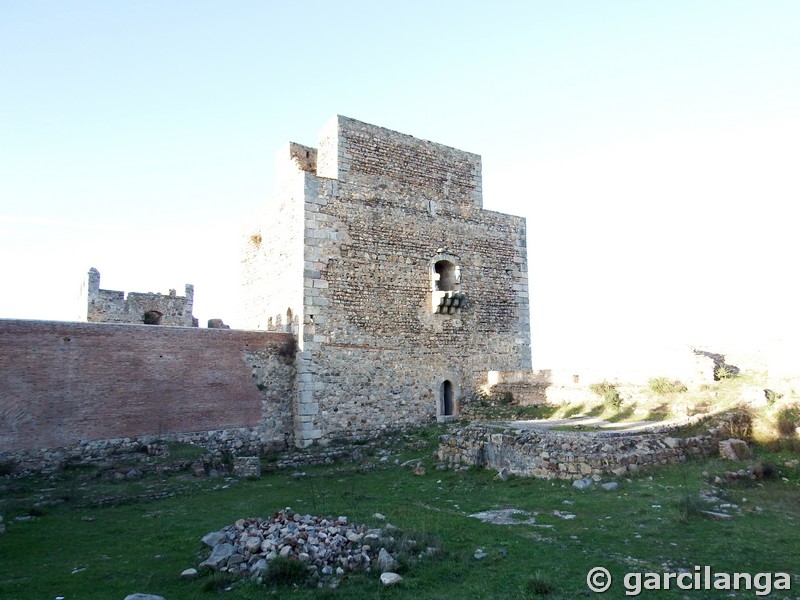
(112, 306)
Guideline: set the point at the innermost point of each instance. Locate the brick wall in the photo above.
(65, 382)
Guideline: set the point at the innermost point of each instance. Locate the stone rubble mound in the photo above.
(328, 547)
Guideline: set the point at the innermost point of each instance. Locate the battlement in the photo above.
(112, 306)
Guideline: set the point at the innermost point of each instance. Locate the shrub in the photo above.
(288, 350)
(723, 372)
(772, 396)
(788, 420)
(286, 571)
(738, 424)
(664, 385)
(218, 581)
(689, 507)
(608, 392)
(538, 586)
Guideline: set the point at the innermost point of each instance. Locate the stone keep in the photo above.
(402, 290)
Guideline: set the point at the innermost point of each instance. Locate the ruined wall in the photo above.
(379, 212)
(111, 306)
(64, 383)
(566, 455)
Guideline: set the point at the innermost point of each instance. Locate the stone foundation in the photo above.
(234, 442)
(566, 455)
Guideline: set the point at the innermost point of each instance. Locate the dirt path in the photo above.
(590, 424)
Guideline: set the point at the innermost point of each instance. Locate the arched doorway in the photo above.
(447, 399)
(152, 317)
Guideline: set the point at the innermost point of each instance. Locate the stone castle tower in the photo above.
(403, 291)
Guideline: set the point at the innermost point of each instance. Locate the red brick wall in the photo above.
(64, 382)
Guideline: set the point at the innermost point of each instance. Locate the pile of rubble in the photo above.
(328, 547)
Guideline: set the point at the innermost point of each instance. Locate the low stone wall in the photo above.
(108, 453)
(566, 455)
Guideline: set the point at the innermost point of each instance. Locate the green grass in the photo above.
(95, 539)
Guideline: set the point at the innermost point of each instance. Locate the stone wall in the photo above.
(65, 385)
(370, 226)
(566, 455)
(111, 306)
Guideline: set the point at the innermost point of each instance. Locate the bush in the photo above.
(664, 385)
(608, 392)
(286, 571)
(538, 586)
(788, 420)
(288, 350)
(689, 507)
(738, 424)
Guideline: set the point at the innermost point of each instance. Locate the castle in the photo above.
(403, 291)
(378, 291)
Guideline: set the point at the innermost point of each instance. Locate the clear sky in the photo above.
(652, 146)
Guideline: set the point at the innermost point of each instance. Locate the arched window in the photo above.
(152, 317)
(445, 275)
(447, 398)
(447, 297)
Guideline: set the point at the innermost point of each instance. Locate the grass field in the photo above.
(94, 539)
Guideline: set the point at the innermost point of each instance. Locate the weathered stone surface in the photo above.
(610, 486)
(390, 578)
(247, 466)
(259, 567)
(217, 324)
(386, 562)
(549, 454)
(214, 538)
(143, 597)
(109, 306)
(733, 449)
(220, 554)
(189, 573)
(582, 484)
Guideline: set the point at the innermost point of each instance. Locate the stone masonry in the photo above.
(402, 289)
(111, 306)
(566, 455)
(378, 293)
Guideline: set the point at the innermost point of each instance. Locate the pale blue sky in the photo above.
(653, 146)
